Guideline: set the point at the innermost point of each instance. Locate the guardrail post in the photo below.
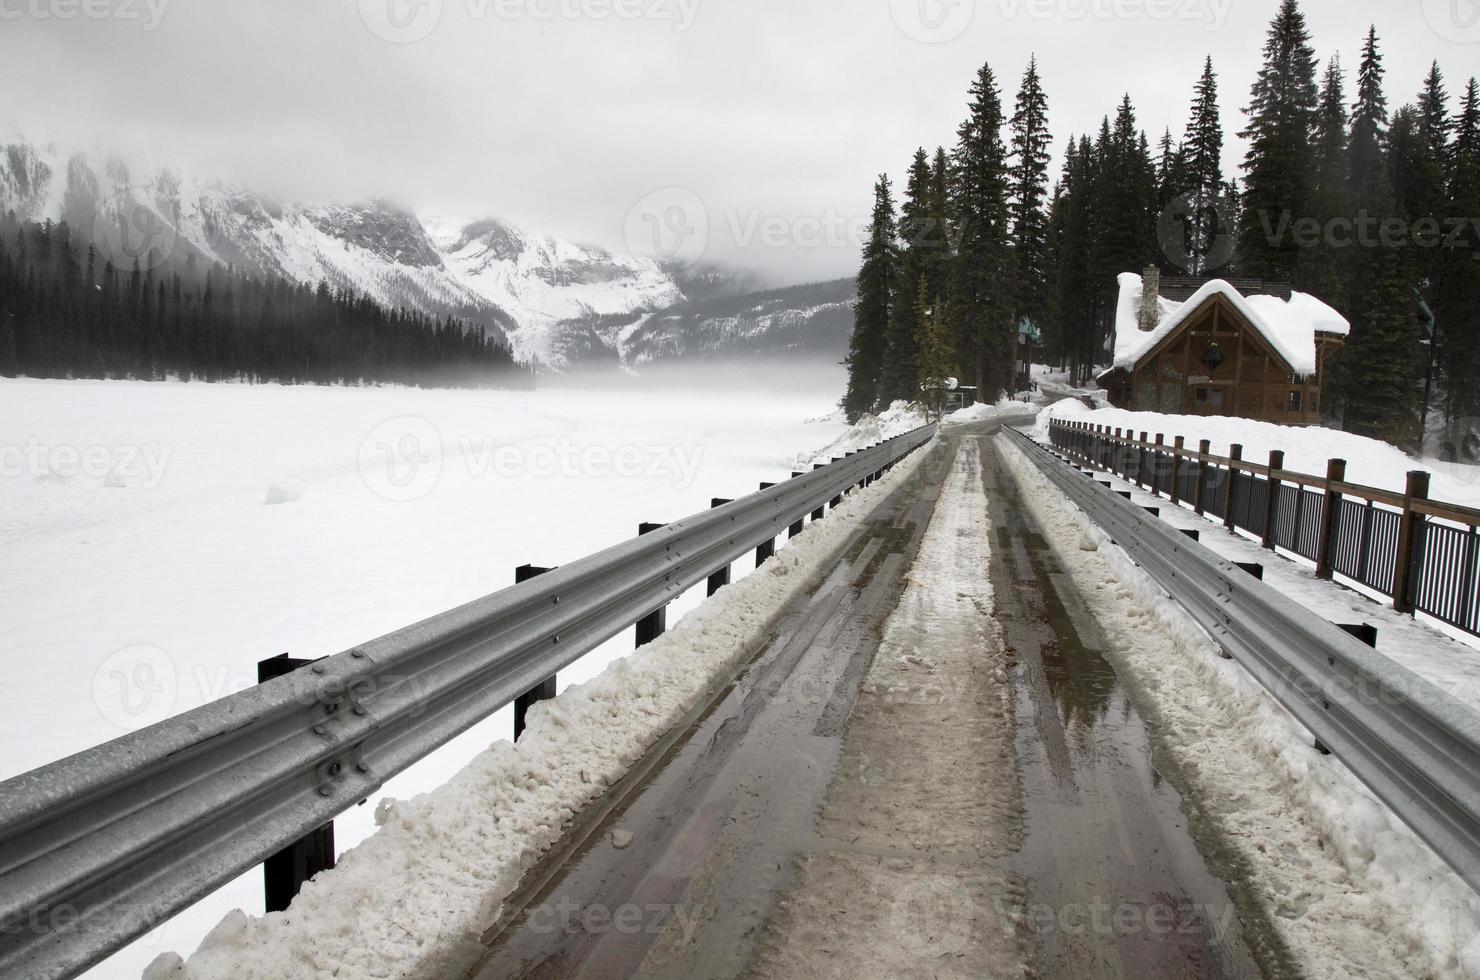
(820, 512)
(721, 578)
(801, 523)
(655, 623)
(1272, 496)
(1235, 456)
(1408, 535)
(1178, 445)
(1204, 449)
(764, 552)
(1330, 517)
(285, 872)
(545, 689)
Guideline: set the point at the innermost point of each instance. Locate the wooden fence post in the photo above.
(1235, 456)
(1330, 517)
(1178, 445)
(1204, 449)
(1156, 459)
(1403, 578)
(1272, 496)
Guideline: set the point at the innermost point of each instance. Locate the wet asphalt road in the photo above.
(1114, 884)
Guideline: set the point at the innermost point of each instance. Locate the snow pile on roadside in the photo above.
(410, 900)
(1306, 448)
(1006, 409)
(870, 430)
(1354, 892)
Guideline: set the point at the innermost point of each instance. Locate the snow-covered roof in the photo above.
(1290, 325)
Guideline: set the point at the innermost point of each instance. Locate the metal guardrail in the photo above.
(1413, 745)
(101, 847)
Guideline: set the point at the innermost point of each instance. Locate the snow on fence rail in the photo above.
(1416, 747)
(1422, 553)
(101, 847)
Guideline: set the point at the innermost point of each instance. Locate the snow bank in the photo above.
(409, 900)
(870, 430)
(1289, 326)
(1351, 889)
(1005, 410)
(1307, 448)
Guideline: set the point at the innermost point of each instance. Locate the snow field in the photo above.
(1352, 890)
(408, 900)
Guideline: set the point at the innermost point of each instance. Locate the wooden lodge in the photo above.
(1215, 348)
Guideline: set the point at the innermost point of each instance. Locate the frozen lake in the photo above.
(161, 539)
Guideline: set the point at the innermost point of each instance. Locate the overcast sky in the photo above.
(773, 116)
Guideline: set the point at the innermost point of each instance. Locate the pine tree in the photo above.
(1204, 169)
(981, 299)
(1381, 359)
(1322, 270)
(920, 245)
(933, 341)
(1028, 203)
(871, 311)
(1073, 216)
(1457, 292)
(1123, 217)
(1280, 165)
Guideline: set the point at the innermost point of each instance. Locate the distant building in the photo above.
(1215, 348)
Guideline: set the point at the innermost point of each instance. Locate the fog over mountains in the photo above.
(561, 304)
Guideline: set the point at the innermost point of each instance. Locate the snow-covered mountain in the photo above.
(558, 302)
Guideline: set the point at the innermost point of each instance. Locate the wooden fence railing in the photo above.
(1422, 553)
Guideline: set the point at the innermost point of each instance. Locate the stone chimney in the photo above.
(1150, 291)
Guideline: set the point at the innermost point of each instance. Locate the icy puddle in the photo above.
(1118, 883)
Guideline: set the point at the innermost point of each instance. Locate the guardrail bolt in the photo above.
(285, 872)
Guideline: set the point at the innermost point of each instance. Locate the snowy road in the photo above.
(929, 770)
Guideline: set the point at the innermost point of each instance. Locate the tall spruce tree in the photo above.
(1382, 355)
(1123, 220)
(1073, 219)
(1457, 292)
(919, 245)
(1322, 269)
(1028, 202)
(867, 348)
(1203, 152)
(1280, 167)
(981, 297)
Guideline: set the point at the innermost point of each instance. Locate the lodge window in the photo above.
(1294, 403)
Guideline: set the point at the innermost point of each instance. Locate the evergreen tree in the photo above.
(1074, 336)
(1457, 292)
(1123, 220)
(933, 341)
(1028, 203)
(871, 311)
(920, 245)
(1322, 269)
(981, 302)
(1381, 358)
(1204, 170)
(1280, 167)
